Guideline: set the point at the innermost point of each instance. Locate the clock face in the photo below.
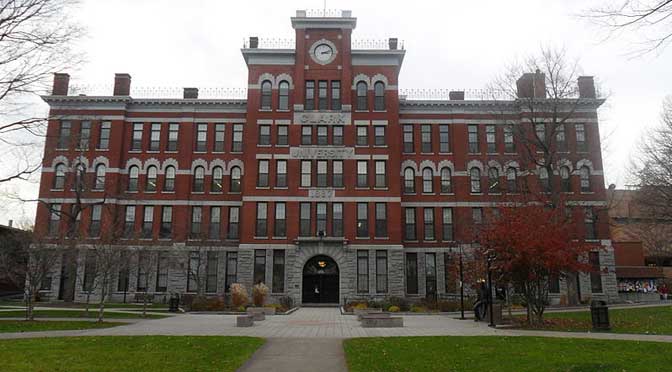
(323, 52)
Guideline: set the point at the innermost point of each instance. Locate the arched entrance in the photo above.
(320, 281)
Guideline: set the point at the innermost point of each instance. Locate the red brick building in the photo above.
(324, 183)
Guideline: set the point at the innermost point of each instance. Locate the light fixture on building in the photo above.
(322, 264)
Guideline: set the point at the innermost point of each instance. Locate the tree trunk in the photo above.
(101, 307)
(30, 303)
(86, 309)
(144, 304)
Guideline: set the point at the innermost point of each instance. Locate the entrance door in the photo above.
(320, 281)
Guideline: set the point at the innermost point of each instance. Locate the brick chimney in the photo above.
(586, 87)
(456, 95)
(122, 84)
(393, 42)
(532, 85)
(254, 42)
(190, 93)
(61, 84)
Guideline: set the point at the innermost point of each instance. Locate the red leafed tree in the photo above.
(529, 244)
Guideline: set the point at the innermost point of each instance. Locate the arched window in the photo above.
(199, 179)
(379, 96)
(511, 183)
(266, 95)
(543, 180)
(80, 174)
(427, 176)
(409, 180)
(151, 179)
(564, 179)
(169, 183)
(217, 179)
(584, 173)
(133, 173)
(100, 177)
(362, 92)
(475, 179)
(59, 179)
(235, 179)
(493, 180)
(446, 184)
(283, 95)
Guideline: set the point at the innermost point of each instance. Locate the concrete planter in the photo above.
(265, 310)
(359, 312)
(257, 313)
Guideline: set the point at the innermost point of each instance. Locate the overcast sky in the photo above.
(449, 45)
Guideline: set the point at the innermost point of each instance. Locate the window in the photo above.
(379, 135)
(379, 96)
(427, 179)
(310, 95)
(589, 223)
(266, 95)
(211, 264)
(283, 95)
(475, 180)
(381, 271)
(564, 179)
(64, 135)
(306, 166)
(54, 219)
(262, 220)
(147, 222)
(362, 91)
(493, 180)
(74, 229)
(491, 138)
(337, 138)
(554, 284)
(362, 173)
(429, 223)
(446, 183)
(264, 135)
(152, 176)
(584, 173)
(193, 271)
(473, 139)
(430, 273)
(362, 220)
(595, 274)
(381, 174)
(173, 135)
(362, 134)
(511, 182)
(306, 135)
(169, 183)
(322, 138)
(142, 277)
(235, 179)
(259, 273)
(129, 221)
(278, 271)
(411, 273)
(100, 177)
(321, 219)
(408, 138)
(237, 141)
(304, 219)
(155, 137)
(540, 132)
(444, 138)
(196, 219)
(281, 173)
(84, 135)
(322, 173)
(89, 271)
(509, 145)
(450, 274)
(199, 179)
(262, 177)
(133, 174)
(94, 226)
(136, 143)
(477, 215)
(544, 180)
(217, 179)
(337, 173)
(581, 143)
(280, 220)
(123, 277)
(215, 222)
(335, 95)
(322, 95)
(104, 138)
(59, 177)
(283, 135)
(426, 138)
(409, 180)
(447, 227)
(166, 228)
(362, 271)
(410, 230)
(234, 221)
(231, 270)
(201, 137)
(560, 138)
(381, 220)
(337, 219)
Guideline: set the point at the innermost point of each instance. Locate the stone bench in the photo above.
(257, 313)
(382, 322)
(374, 315)
(244, 321)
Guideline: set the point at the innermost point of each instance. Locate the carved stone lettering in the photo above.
(321, 193)
(324, 118)
(321, 152)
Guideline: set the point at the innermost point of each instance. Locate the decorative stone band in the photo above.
(322, 118)
(231, 203)
(583, 203)
(321, 152)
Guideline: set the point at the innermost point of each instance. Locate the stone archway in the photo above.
(321, 281)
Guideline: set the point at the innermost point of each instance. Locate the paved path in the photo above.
(298, 355)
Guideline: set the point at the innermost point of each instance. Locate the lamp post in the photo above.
(461, 286)
(490, 299)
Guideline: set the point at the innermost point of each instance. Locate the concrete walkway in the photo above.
(298, 355)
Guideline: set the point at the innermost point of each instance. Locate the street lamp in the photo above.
(461, 286)
(490, 299)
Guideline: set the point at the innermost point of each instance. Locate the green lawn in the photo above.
(645, 320)
(93, 313)
(120, 354)
(50, 325)
(506, 354)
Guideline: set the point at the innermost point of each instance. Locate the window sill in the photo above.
(492, 153)
(103, 150)
(587, 192)
(216, 192)
(267, 145)
(146, 239)
(380, 146)
(153, 151)
(474, 153)
(381, 238)
(200, 152)
(168, 192)
(361, 146)
(361, 111)
(261, 238)
(445, 153)
(284, 145)
(234, 192)
(426, 153)
(379, 110)
(381, 188)
(265, 110)
(476, 193)
(150, 192)
(447, 193)
(164, 239)
(430, 241)
(171, 151)
(218, 152)
(428, 193)
(510, 153)
(198, 192)
(132, 191)
(411, 241)
(57, 190)
(236, 152)
(263, 188)
(362, 238)
(362, 188)
(134, 151)
(281, 188)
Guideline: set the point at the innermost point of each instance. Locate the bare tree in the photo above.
(193, 264)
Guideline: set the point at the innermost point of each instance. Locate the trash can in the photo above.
(174, 303)
(599, 313)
